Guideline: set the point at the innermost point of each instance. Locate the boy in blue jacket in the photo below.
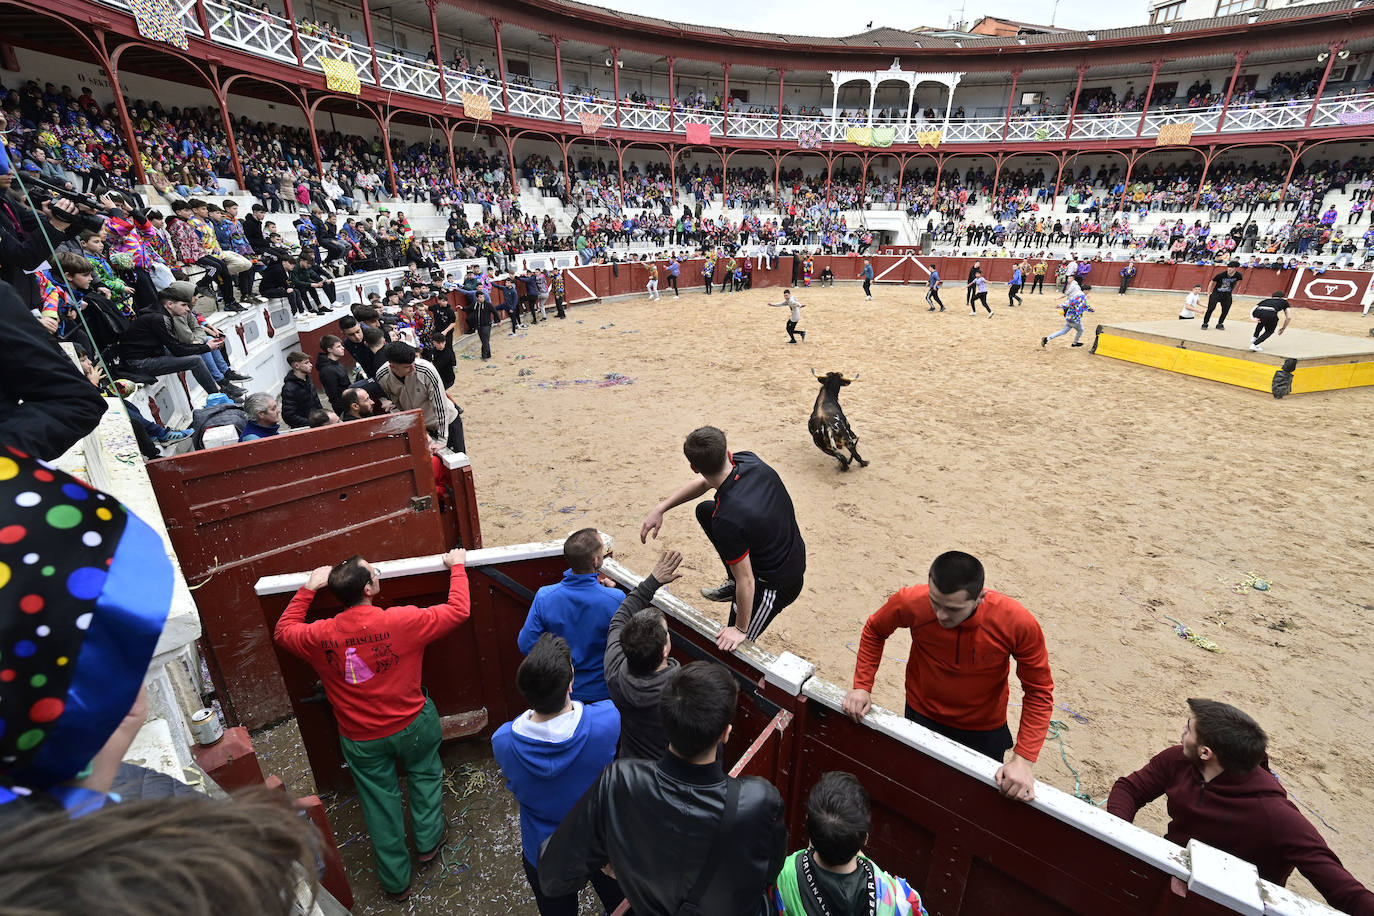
(579, 609)
(550, 756)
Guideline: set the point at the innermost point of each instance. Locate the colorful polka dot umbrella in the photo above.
(84, 590)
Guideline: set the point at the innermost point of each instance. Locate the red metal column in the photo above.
(1292, 164)
(295, 33)
(438, 54)
(1154, 74)
(228, 126)
(314, 140)
(1206, 164)
(620, 174)
(1230, 88)
(1073, 107)
(615, 80)
(1011, 102)
(452, 164)
(996, 177)
(829, 167)
(371, 45)
(125, 124)
(725, 105)
(1317, 97)
(558, 72)
(386, 152)
(501, 64)
(781, 73)
(672, 95)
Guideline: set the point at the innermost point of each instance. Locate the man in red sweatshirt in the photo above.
(1220, 792)
(963, 638)
(369, 660)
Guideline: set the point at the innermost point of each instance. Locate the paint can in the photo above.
(205, 725)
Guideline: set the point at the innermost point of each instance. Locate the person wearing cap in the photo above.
(190, 248)
(96, 591)
(150, 345)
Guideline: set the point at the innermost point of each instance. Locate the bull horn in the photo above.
(813, 371)
(856, 376)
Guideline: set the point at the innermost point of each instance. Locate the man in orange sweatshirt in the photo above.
(963, 638)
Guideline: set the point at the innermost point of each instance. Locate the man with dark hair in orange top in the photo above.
(963, 638)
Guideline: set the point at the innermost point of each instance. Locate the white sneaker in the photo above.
(511, 334)
(1256, 348)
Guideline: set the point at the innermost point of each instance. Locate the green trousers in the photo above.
(373, 763)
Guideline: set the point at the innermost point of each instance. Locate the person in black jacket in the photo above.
(252, 229)
(149, 340)
(677, 830)
(46, 404)
(27, 239)
(333, 376)
(298, 394)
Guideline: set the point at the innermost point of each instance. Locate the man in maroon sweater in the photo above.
(1220, 792)
(369, 660)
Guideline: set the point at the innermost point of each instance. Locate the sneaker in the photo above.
(234, 307)
(803, 334)
(523, 326)
(1079, 344)
(1044, 341)
(1204, 325)
(931, 309)
(234, 391)
(399, 896)
(722, 592)
(175, 435)
(1221, 327)
(511, 334)
(233, 376)
(792, 341)
(990, 314)
(427, 857)
(1257, 348)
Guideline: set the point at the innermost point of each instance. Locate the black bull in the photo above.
(829, 426)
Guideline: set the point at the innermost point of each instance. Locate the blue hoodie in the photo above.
(549, 765)
(579, 609)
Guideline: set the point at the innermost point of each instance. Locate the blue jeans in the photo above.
(216, 363)
(1070, 324)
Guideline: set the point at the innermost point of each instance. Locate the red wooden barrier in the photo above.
(240, 512)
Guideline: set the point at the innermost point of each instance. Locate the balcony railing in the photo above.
(267, 35)
(314, 47)
(258, 32)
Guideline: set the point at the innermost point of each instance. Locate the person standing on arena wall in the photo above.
(795, 318)
(753, 526)
(963, 638)
(868, 279)
(933, 283)
(1223, 286)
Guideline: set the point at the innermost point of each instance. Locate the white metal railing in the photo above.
(1104, 126)
(187, 9)
(1344, 111)
(459, 83)
(643, 117)
(250, 30)
(313, 47)
(533, 103)
(405, 75)
(268, 35)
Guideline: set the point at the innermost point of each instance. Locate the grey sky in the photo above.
(825, 17)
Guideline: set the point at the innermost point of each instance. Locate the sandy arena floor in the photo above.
(1104, 496)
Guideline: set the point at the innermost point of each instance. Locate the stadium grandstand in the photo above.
(273, 242)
